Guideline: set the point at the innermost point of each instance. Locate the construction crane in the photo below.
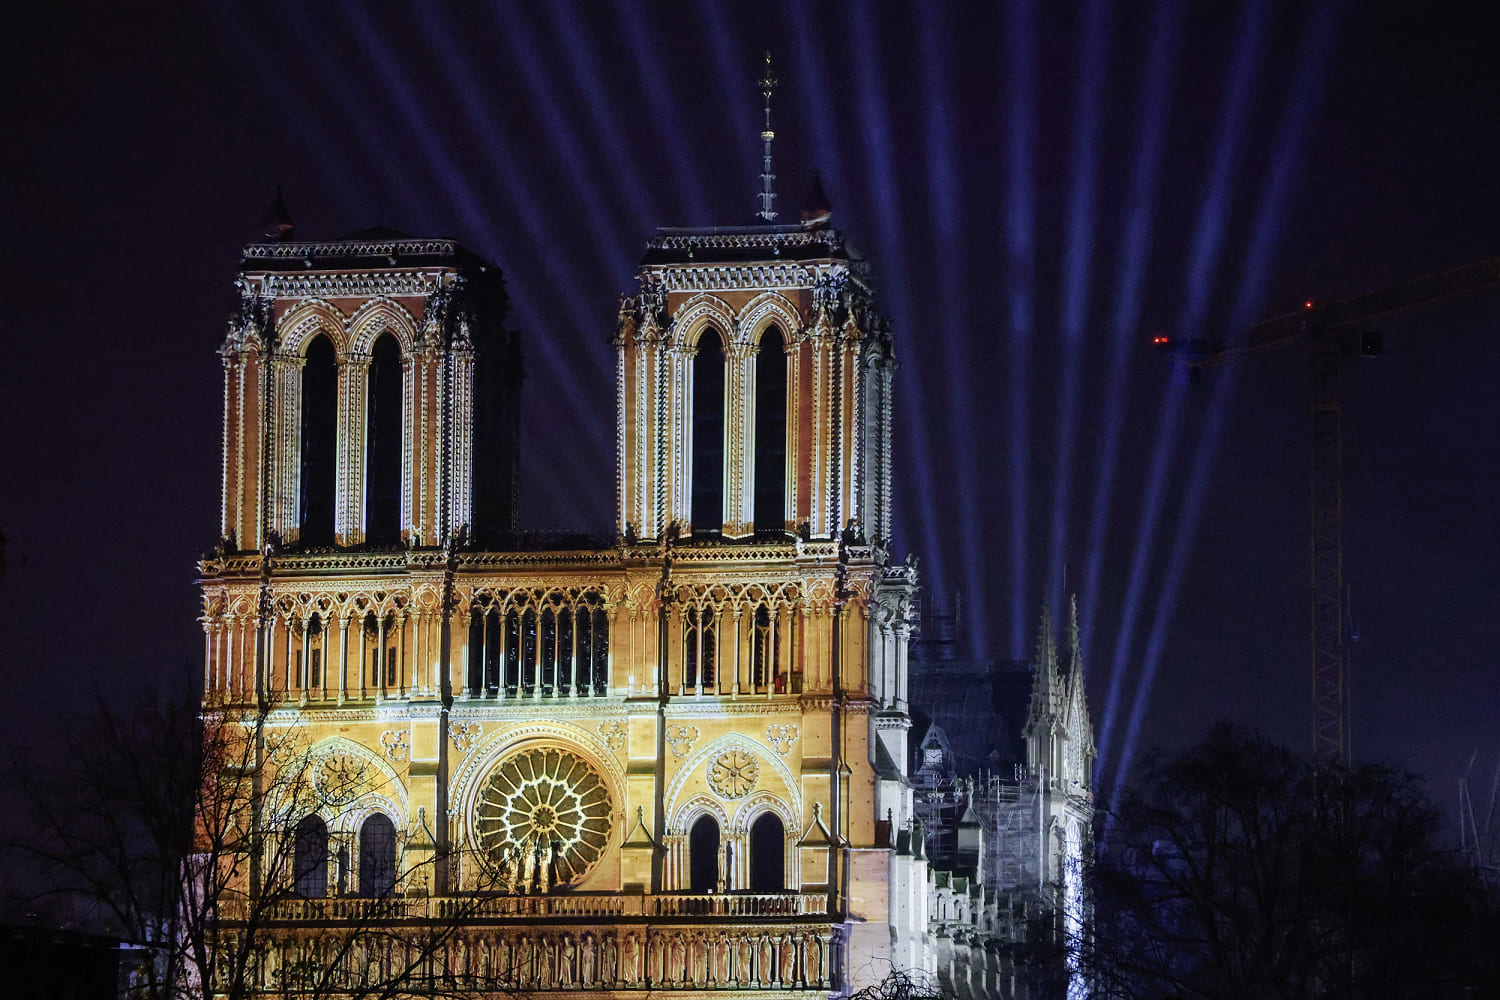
(1334, 332)
(1476, 844)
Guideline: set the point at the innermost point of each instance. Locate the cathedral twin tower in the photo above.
(677, 762)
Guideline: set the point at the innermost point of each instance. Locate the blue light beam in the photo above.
(1021, 45)
(1135, 251)
(1078, 282)
(945, 197)
(1265, 239)
(1203, 263)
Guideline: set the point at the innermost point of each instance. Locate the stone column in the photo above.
(343, 657)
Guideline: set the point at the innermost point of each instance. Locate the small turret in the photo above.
(1046, 693)
(1077, 725)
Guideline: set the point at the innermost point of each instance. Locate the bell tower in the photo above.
(370, 396)
(754, 386)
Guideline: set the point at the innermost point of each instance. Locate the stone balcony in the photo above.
(575, 943)
(563, 906)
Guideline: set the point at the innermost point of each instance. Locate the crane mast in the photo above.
(1333, 333)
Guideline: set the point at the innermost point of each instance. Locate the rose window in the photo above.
(549, 800)
(339, 778)
(733, 774)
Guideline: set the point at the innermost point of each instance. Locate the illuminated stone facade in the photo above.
(675, 762)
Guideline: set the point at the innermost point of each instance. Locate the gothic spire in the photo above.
(1045, 686)
(1080, 726)
(768, 86)
(1075, 648)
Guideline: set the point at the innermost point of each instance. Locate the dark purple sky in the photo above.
(1017, 193)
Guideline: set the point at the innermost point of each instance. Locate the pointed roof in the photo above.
(816, 211)
(1080, 726)
(817, 833)
(278, 221)
(639, 836)
(1046, 685)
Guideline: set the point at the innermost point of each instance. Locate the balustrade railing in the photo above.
(562, 905)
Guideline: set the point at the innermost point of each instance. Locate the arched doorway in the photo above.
(703, 855)
(768, 854)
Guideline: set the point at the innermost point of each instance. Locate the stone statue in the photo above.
(787, 947)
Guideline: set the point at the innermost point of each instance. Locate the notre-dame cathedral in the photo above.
(682, 761)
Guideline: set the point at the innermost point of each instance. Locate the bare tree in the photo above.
(177, 827)
(1239, 869)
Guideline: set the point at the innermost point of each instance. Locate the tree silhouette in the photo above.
(174, 827)
(1240, 869)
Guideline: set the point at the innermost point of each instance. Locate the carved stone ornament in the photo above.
(543, 817)
(340, 778)
(681, 739)
(395, 742)
(281, 748)
(782, 737)
(464, 735)
(614, 732)
(733, 774)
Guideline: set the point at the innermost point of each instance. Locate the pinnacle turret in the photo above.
(1046, 685)
(1078, 725)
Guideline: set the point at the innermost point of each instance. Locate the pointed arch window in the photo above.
(591, 663)
(381, 651)
(561, 651)
(377, 856)
(703, 855)
(315, 647)
(310, 857)
(383, 443)
(770, 432)
(768, 854)
(700, 636)
(549, 642)
(320, 394)
(765, 650)
(707, 511)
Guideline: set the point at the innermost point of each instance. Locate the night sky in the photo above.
(1041, 187)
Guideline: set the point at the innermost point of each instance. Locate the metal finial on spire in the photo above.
(768, 86)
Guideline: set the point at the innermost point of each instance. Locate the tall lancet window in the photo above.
(770, 432)
(708, 435)
(320, 402)
(383, 444)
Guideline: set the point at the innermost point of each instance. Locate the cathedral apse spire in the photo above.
(768, 85)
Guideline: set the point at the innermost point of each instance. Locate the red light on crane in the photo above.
(1308, 304)
(1160, 340)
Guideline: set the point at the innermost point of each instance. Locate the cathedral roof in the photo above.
(376, 247)
(742, 244)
